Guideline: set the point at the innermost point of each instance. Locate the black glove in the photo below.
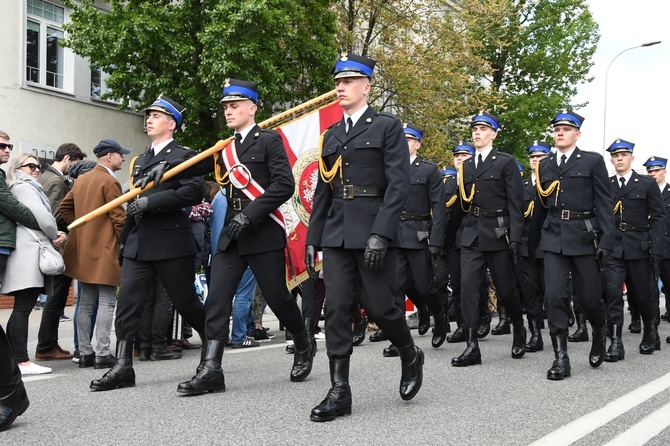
(602, 255)
(139, 206)
(532, 254)
(375, 251)
(121, 247)
(434, 252)
(155, 175)
(655, 261)
(239, 223)
(310, 261)
(515, 250)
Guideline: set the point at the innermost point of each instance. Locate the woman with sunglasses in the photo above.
(22, 277)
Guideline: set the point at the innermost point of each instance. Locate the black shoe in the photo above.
(338, 400)
(615, 352)
(13, 405)
(648, 344)
(424, 320)
(456, 336)
(582, 333)
(598, 346)
(519, 340)
(484, 326)
(390, 352)
(104, 362)
(535, 343)
(359, 330)
(290, 349)
(561, 366)
(209, 374)
(378, 336)
(303, 356)
(664, 316)
(261, 335)
(471, 355)
(411, 358)
(440, 330)
(145, 354)
(635, 326)
(247, 344)
(86, 361)
(122, 374)
(164, 354)
(503, 326)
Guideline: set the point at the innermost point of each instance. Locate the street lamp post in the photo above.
(606, 79)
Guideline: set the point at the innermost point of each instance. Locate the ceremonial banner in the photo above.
(301, 139)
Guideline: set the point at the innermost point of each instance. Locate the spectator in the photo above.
(22, 277)
(91, 255)
(55, 185)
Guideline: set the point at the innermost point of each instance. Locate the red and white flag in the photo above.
(301, 139)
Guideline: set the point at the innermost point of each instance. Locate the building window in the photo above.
(46, 61)
(99, 86)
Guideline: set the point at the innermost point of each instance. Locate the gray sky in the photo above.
(638, 85)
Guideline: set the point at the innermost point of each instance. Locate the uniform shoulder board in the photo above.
(386, 114)
(429, 162)
(505, 155)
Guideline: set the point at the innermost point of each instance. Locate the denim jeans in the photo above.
(242, 307)
(105, 296)
(76, 315)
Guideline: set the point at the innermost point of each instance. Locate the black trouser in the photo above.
(138, 279)
(313, 294)
(586, 277)
(531, 282)
(268, 267)
(665, 278)
(10, 375)
(47, 337)
(415, 269)
(501, 266)
(441, 269)
(379, 290)
(17, 325)
(156, 318)
(638, 276)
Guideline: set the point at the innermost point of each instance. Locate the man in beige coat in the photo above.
(91, 253)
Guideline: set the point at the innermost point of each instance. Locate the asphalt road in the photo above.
(502, 402)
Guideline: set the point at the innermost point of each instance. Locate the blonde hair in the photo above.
(4, 135)
(15, 164)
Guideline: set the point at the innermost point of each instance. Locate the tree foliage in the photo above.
(187, 48)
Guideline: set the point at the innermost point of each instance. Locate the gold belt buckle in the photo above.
(237, 204)
(565, 214)
(348, 192)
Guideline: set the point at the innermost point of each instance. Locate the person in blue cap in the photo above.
(639, 218)
(448, 172)
(574, 226)
(490, 194)
(520, 166)
(362, 190)
(657, 168)
(156, 241)
(422, 225)
(530, 267)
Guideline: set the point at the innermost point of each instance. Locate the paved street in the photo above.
(503, 401)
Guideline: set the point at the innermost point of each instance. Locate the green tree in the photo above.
(187, 48)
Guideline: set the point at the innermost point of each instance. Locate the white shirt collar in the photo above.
(662, 186)
(357, 115)
(157, 148)
(245, 131)
(111, 172)
(411, 160)
(626, 177)
(484, 154)
(567, 154)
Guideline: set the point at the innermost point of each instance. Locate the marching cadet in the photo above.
(576, 225)
(363, 185)
(159, 241)
(452, 247)
(422, 225)
(490, 191)
(530, 267)
(656, 167)
(638, 249)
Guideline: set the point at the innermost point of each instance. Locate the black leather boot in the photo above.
(561, 366)
(503, 326)
(302, 358)
(458, 335)
(440, 330)
(582, 333)
(360, 326)
(635, 326)
(519, 340)
(390, 351)
(338, 400)
(209, 374)
(484, 325)
(122, 374)
(648, 344)
(615, 352)
(378, 336)
(411, 358)
(535, 344)
(471, 355)
(598, 346)
(657, 340)
(424, 319)
(13, 397)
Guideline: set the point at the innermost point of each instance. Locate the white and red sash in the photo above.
(241, 178)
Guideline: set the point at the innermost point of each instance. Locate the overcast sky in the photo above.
(638, 85)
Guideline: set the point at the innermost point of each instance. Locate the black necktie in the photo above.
(480, 161)
(564, 159)
(150, 154)
(622, 180)
(238, 138)
(350, 124)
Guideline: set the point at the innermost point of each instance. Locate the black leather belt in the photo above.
(623, 227)
(565, 214)
(238, 203)
(479, 212)
(418, 217)
(350, 192)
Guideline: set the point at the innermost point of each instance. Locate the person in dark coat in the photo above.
(363, 186)
(576, 225)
